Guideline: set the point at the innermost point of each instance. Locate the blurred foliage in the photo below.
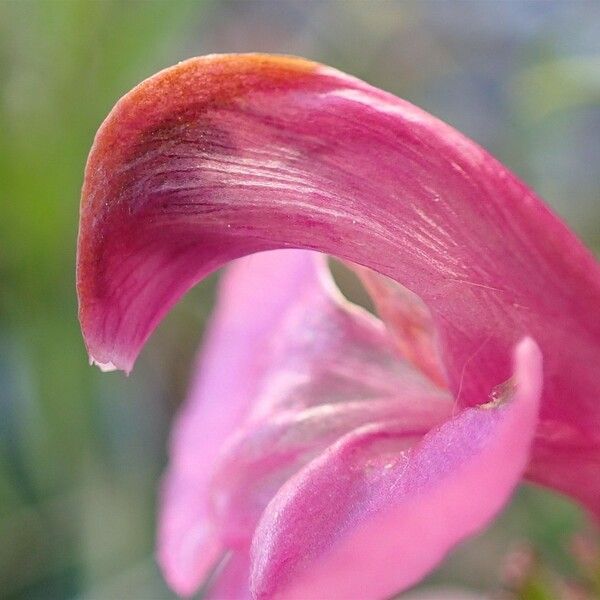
(80, 453)
(558, 85)
(62, 65)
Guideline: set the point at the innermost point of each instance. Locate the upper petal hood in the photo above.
(223, 156)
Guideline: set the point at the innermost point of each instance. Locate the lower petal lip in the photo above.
(342, 358)
(335, 531)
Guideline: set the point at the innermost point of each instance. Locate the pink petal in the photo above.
(229, 375)
(370, 517)
(223, 156)
(232, 581)
(282, 339)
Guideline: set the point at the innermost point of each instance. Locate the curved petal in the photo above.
(370, 517)
(282, 339)
(260, 458)
(223, 156)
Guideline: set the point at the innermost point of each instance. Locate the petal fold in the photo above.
(371, 516)
(408, 320)
(260, 458)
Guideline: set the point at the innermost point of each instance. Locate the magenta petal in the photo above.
(223, 156)
(369, 517)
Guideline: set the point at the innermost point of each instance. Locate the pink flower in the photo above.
(327, 453)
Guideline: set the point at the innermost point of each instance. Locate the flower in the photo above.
(332, 454)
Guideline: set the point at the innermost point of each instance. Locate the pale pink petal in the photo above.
(282, 339)
(371, 516)
(223, 156)
(220, 399)
(325, 350)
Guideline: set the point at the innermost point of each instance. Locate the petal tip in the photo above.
(108, 366)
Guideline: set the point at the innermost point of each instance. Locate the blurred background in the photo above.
(81, 453)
